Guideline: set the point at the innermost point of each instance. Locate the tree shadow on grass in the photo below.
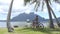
(24, 30)
(36, 30)
(55, 29)
(45, 30)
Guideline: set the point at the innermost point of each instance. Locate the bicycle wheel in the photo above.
(41, 26)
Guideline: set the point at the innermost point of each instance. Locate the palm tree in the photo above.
(50, 15)
(48, 3)
(8, 18)
(55, 18)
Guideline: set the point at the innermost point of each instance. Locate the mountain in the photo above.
(2, 20)
(31, 16)
(24, 17)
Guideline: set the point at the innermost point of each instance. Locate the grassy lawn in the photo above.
(29, 31)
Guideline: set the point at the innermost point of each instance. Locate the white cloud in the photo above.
(5, 1)
(18, 4)
(18, 8)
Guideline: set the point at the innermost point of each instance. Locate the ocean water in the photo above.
(2, 24)
(21, 24)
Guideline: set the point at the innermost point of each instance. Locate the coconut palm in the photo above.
(55, 18)
(50, 10)
(8, 18)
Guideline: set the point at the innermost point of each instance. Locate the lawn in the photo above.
(29, 31)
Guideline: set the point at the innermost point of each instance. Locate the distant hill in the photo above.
(24, 17)
(2, 20)
(31, 16)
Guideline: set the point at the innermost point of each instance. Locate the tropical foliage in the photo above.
(37, 4)
(50, 10)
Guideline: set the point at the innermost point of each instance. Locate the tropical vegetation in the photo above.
(37, 4)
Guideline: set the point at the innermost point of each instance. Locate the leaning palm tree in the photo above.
(8, 18)
(50, 10)
(55, 18)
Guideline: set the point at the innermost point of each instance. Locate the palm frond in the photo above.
(57, 1)
(42, 6)
(26, 1)
(49, 1)
(37, 5)
(33, 1)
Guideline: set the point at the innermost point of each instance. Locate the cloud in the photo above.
(18, 8)
(5, 1)
(4, 7)
(2, 3)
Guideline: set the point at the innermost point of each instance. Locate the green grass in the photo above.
(29, 31)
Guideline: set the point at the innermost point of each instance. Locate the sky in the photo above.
(18, 8)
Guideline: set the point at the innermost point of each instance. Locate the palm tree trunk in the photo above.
(50, 15)
(8, 18)
(55, 18)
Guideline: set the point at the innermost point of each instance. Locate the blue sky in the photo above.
(18, 8)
